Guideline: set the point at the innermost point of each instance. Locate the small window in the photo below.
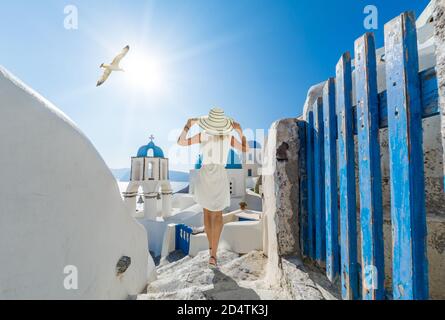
(136, 174)
(150, 171)
(249, 173)
(137, 170)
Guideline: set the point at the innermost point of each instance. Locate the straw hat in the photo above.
(216, 123)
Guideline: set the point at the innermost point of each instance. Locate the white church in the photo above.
(150, 174)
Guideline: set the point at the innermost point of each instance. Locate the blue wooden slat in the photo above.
(320, 230)
(331, 186)
(371, 212)
(183, 233)
(348, 223)
(177, 237)
(410, 266)
(429, 97)
(303, 197)
(429, 93)
(311, 183)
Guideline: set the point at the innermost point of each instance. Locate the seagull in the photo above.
(114, 66)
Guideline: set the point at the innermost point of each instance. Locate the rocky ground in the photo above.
(237, 278)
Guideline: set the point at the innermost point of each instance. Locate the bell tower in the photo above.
(150, 171)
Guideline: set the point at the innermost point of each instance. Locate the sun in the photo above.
(145, 72)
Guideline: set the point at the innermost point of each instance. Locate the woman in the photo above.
(212, 187)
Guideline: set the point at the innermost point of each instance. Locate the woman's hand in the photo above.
(183, 140)
(237, 126)
(191, 122)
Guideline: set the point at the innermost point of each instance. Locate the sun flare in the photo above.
(145, 72)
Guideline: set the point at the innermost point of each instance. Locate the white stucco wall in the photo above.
(238, 180)
(59, 206)
(156, 229)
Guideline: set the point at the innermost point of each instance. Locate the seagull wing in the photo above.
(120, 56)
(104, 78)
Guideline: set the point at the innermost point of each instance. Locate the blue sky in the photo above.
(254, 58)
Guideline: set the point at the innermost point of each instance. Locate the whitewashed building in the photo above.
(252, 163)
(65, 232)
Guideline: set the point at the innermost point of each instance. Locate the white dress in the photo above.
(212, 187)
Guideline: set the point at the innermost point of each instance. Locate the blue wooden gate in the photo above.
(183, 233)
(328, 190)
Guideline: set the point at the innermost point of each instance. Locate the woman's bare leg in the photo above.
(208, 227)
(217, 227)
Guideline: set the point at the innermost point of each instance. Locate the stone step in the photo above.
(237, 278)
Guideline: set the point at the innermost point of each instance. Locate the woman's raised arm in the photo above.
(240, 146)
(183, 140)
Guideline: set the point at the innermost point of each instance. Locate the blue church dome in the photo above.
(157, 152)
(233, 161)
